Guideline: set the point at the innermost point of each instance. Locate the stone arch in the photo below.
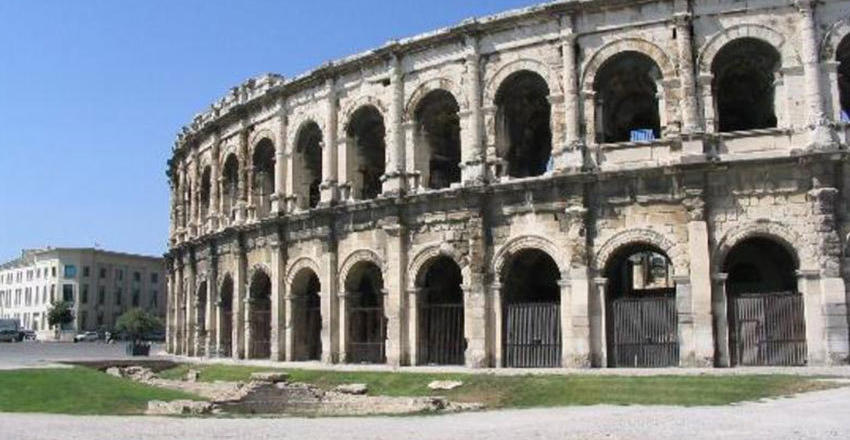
(675, 253)
(429, 86)
(833, 38)
(358, 256)
(297, 266)
(299, 121)
(604, 53)
(355, 104)
(258, 137)
(222, 277)
(225, 151)
(503, 255)
(744, 30)
(258, 267)
(791, 241)
(418, 264)
(504, 72)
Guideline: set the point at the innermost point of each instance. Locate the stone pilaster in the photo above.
(278, 303)
(393, 180)
(215, 192)
(211, 323)
(822, 136)
(472, 150)
(699, 305)
(244, 176)
(687, 79)
(475, 325)
(720, 312)
(329, 186)
(496, 326)
(395, 302)
(280, 162)
(240, 287)
(598, 329)
(571, 156)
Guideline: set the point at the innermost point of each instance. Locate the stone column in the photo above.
(277, 337)
(280, 163)
(212, 322)
(195, 197)
(292, 303)
(822, 135)
(393, 180)
(685, 315)
(333, 311)
(215, 194)
(699, 306)
(580, 333)
(496, 328)
(328, 187)
(598, 329)
(342, 299)
(237, 341)
(191, 308)
(472, 150)
(571, 157)
(720, 310)
(475, 324)
(566, 319)
(169, 313)
(395, 302)
(589, 102)
(244, 175)
(414, 297)
(685, 49)
(808, 284)
(249, 337)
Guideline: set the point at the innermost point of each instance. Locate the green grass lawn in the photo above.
(543, 390)
(77, 391)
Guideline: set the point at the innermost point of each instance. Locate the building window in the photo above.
(68, 292)
(154, 295)
(53, 293)
(101, 294)
(136, 298)
(118, 297)
(53, 271)
(84, 296)
(103, 273)
(70, 271)
(86, 271)
(137, 277)
(154, 277)
(119, 274)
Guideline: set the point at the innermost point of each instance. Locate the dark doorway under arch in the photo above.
(306, 317)
(259, 314)
(531, 311)
(226, 310)
(441, 324)
(366, 322)
(766, 317)
(641, 316)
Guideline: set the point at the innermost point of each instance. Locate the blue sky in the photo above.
(93, 92)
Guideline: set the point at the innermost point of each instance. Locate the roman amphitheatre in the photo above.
(598, 183)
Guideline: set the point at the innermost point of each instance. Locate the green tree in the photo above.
(60, 315)
(137, 323)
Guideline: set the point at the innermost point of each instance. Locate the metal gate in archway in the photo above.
(443, 340)
(260, 334)
(532, 335)
(645, 332)
(367, 330)
(768, 329)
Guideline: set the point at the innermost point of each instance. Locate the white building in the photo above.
(101, 285)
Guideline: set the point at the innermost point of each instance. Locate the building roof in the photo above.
(29, 256)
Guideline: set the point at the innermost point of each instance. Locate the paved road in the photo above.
(821, 415)
(33, 354)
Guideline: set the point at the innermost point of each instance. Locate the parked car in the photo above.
(10, 331)
(86, 337)
(28, 335)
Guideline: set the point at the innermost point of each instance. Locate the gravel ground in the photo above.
(820, 415)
